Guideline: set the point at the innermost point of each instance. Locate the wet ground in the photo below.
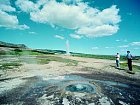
(68, 90)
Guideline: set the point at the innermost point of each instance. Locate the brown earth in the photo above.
(88, 67)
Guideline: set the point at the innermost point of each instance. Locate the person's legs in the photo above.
(130, 64)
(117, 64)
(130, 68)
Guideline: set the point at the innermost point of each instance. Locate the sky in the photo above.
(102, 27)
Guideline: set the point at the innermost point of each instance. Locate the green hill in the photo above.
(11, 45)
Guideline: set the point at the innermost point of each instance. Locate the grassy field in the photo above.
(59, 59)
(125, 67)
(24, 52)
(109, 57)
(11, 65)
(47, 59)
(21, 52)
(41, 58)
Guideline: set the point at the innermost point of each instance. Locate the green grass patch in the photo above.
(58, 59)
(27, 52)
(9, 65)
(72, 63)
(137, 61)
(43, 61)
(109, 57)
(134, 67)
(19, 52)
(47, 59)
(64, 60)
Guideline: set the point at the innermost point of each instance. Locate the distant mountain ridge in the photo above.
(52, 51)
(4, 47)
(22, 46)
(11, 45)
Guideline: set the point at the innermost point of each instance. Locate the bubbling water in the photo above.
(81, 87)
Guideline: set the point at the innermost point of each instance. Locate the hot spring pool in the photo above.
(72, 90)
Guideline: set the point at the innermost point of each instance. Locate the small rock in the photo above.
(91, 104)
(65, 101)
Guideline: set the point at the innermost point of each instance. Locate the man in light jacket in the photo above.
(117, 60)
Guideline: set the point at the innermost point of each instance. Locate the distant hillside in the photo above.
(51, 51)
(16, 48)
(11, 45)
(23, 49)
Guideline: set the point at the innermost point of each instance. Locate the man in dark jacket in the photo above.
(129, 60)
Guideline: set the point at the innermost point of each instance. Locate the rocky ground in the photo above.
(17, 82)
(56, 68)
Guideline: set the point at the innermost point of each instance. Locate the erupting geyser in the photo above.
(67, 47)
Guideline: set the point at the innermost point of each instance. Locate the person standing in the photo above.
(117, 60)
(129, 60)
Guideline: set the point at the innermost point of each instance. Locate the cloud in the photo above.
(124, 46)
(21, 27)
(121, 40)
(132, 44)
(7, 8)
(95, 48)
(103, 23)
(68, 16)
(109, 47)
(10, 21)
(75, 36)
(135, 43)
(136, 48)
(106, 47)
(59, 37)
(109, 15)
(117, 40)
(32, 32)
(99, 31)
(26, 5)
(75, 15)
(4, 2)
(72, 1)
